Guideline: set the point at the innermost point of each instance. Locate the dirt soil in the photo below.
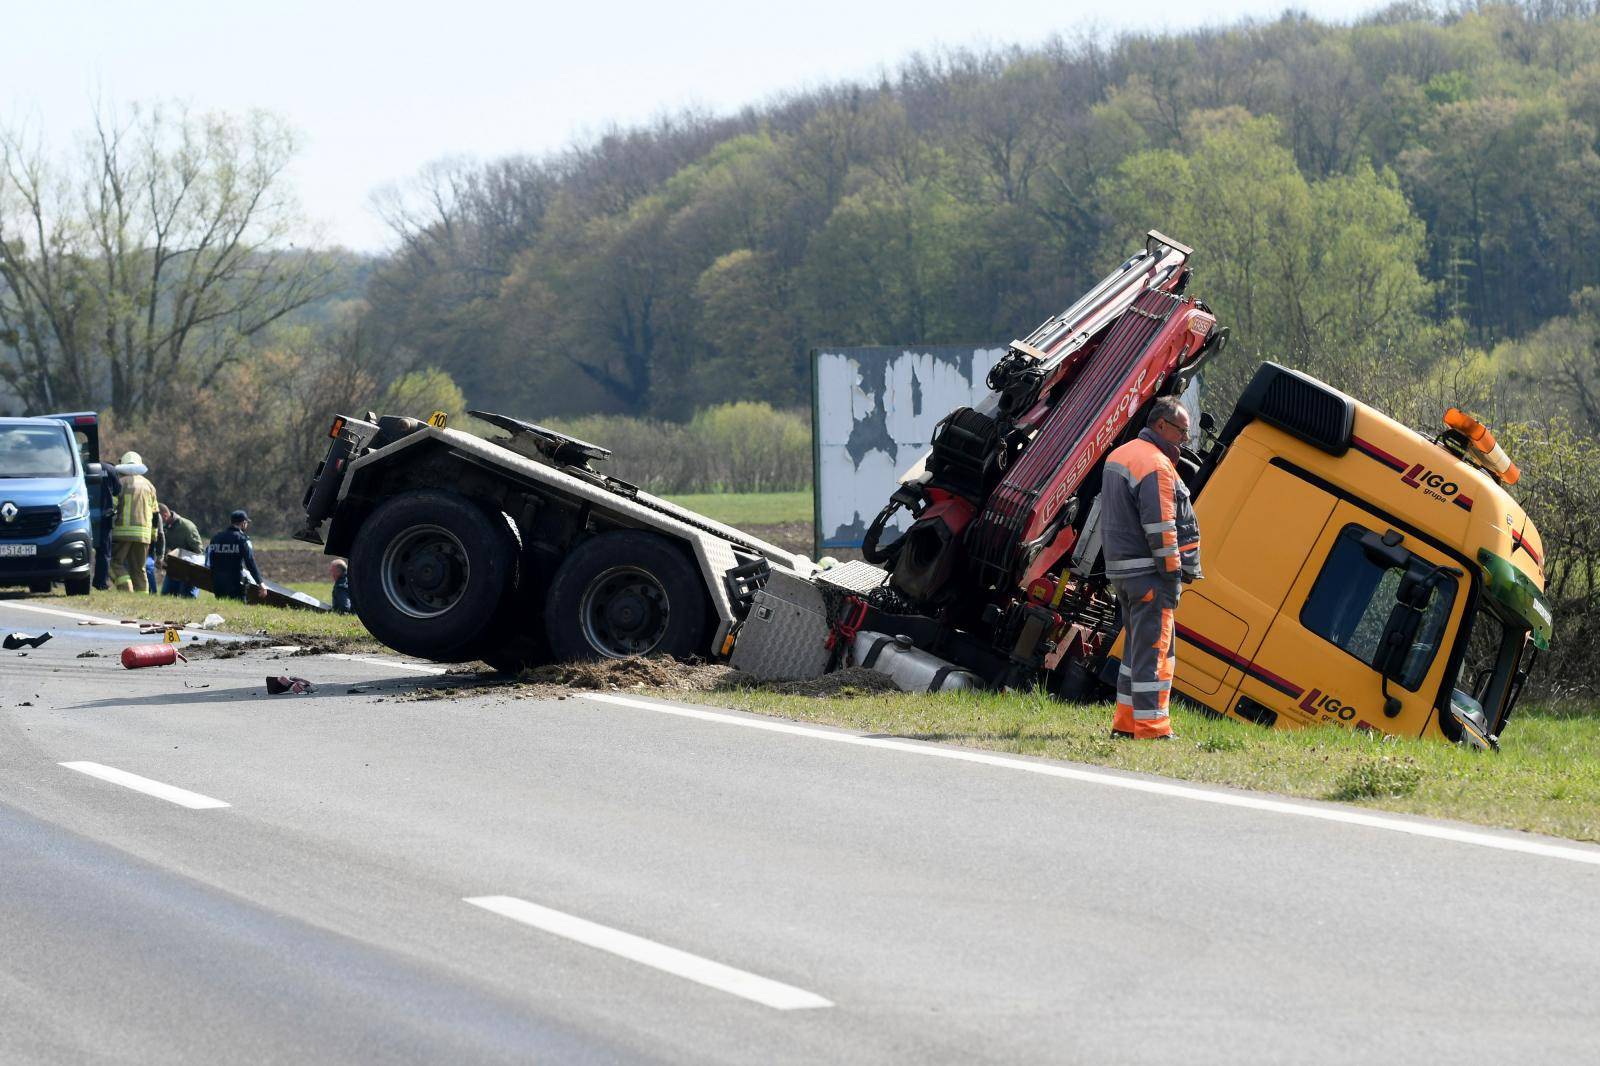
(304, 645)
(659, 675)
(293, 564)
(790, 536)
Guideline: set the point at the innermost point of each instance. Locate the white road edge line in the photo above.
(402, 667)
(171, 793)
(191, 635)
(74, 615)
(1327, 813)
(762, 990)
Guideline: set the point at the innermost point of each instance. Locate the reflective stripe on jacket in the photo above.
(136, 510)
(1147, 522)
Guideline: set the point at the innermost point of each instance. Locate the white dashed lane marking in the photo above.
(762, 990)
(171, 793)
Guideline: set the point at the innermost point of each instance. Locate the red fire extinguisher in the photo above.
(141, 655)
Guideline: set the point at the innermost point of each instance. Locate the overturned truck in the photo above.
(1357, 573)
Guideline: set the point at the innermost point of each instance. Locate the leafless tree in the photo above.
(149, 257)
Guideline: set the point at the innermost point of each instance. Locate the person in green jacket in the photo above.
(181, 533)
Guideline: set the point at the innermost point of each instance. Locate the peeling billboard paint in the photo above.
(875, 409)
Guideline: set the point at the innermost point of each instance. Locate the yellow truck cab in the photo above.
(1357, 573)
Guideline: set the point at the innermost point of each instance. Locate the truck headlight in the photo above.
(75, 506)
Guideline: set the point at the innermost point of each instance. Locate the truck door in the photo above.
(1255, 520)
(1316, 664)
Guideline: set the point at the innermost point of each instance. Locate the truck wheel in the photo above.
(623, 594)
(428, 572)
(39, 587)
(77, 586)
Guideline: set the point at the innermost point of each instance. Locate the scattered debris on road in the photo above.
(139, 656)
(298, 686)
(14, 641)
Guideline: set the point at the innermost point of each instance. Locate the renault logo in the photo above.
(8, 511)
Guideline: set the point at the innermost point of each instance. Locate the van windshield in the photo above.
(35, 451)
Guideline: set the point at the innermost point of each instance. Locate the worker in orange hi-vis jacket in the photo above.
(1152, 548)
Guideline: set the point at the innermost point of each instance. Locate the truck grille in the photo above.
(31, 522)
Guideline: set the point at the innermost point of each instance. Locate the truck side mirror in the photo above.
(1207, 423)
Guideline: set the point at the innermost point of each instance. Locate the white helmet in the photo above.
(130, 459)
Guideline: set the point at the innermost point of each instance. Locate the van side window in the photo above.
(1351, 600)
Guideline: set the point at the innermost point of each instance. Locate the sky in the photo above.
(377, 90)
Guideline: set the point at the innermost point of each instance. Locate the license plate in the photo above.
(11, 551)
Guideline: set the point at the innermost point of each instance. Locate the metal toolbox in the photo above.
(785, 635)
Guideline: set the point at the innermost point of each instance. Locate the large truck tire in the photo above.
(623, 594)
(428, 574)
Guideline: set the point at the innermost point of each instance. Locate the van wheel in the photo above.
(77, 586)
(624, 594)
(42, 587)
(428, 572)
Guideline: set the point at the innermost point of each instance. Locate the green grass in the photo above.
(238, 617)
(750, 508)
(1546, 778)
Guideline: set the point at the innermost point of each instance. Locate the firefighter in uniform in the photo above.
(1152, 548)
(134, 528)
(229, 556)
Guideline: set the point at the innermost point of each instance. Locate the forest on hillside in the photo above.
(1420, 188)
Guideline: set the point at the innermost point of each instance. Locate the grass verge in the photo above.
(1545, 779)
(238, 617)
(750, 508)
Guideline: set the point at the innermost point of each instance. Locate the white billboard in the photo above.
(874, 410)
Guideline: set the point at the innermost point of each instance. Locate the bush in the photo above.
(736, 447)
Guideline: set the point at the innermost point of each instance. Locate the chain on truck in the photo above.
(1357, 573)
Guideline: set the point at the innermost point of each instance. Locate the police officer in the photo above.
(229, 556)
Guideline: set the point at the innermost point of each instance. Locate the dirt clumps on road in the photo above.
(329, 645)
(223, 649)
(655, 673)
(659, 675)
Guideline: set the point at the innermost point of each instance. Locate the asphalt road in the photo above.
(655, 886)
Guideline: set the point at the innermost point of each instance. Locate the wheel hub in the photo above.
(425, 571)
(624, 612)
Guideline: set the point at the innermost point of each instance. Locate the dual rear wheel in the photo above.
(437, 576)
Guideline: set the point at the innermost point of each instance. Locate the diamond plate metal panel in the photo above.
(784, 637)
(854, 576)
